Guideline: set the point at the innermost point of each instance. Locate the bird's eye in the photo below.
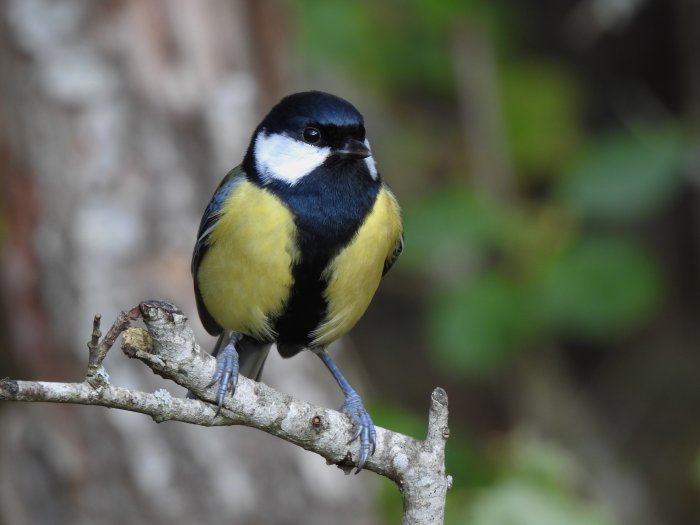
(311, 135)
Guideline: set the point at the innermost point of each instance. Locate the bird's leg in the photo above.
(226, 371)
(353, 407)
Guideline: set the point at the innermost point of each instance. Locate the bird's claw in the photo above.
(364, 428)
(226, 374)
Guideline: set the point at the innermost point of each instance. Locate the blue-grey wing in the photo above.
(211, 214)
(394, 256)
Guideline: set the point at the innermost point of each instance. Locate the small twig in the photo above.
(96, 333)
(98, 350)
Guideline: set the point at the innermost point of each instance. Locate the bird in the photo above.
(293, 244)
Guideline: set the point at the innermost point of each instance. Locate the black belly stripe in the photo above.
(329, 206)
(305, 309)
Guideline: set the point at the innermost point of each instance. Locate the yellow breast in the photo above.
(354, 274)
(245, 275)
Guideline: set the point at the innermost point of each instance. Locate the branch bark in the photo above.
(168, 347)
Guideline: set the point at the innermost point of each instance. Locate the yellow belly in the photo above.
(245, 275)
(354, 274)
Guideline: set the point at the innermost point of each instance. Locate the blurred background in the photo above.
(545, 153)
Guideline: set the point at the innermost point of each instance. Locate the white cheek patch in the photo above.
(283, 158)
(371, 165)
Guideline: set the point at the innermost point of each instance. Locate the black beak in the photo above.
(353, 149)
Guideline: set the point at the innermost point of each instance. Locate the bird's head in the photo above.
(305, 131)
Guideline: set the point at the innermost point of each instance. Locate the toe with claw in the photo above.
(226, 374)
(364, 428)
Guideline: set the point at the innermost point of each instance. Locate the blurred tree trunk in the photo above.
(117, 119)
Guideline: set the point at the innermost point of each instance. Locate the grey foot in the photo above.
(226, 374)
(364, 427)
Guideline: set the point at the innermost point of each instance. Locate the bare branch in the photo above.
(160, 405)
(168, 347)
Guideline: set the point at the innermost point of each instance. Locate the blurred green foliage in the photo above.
(505, 275)
(396, 45)
(476, 326)
(541, 114)
(625, 176)
(525, 503)
(536, 487)
(453, 230)
(599, 286)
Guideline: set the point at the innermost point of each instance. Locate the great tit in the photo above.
(294, 242)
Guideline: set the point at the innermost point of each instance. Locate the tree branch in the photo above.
(168, 347)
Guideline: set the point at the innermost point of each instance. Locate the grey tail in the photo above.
(251, 354)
